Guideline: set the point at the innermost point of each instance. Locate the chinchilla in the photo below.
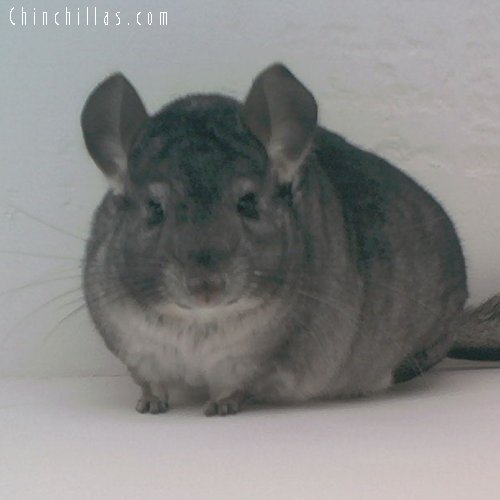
(246, 250)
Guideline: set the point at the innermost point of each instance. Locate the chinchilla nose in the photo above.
(205, 288)
(207, 258)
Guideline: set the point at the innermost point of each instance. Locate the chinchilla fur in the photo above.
(244, 249)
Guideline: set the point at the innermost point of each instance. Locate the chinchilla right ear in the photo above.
(111, 118)
(282, 114)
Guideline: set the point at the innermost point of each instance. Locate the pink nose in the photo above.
(205, 289)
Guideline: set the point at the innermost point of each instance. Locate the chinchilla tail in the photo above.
(476, 331)
(478, 335)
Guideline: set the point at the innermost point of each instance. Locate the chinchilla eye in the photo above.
(247, 206)
(284, 192)
(156, 212)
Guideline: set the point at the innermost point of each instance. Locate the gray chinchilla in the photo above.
(244, 249)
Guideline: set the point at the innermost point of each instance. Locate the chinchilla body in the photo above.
(246, 250)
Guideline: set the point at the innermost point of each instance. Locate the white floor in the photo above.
(434, 438)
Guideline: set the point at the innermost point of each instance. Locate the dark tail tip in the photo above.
(475, 353)
(478, 332)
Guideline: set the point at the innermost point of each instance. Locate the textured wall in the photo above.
(417, 82)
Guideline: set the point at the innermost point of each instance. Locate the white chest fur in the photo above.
(201, 351)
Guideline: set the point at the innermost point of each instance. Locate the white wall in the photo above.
(416, 82)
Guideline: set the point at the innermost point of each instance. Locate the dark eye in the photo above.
(156, 213)
(285, 193)
(247, 206)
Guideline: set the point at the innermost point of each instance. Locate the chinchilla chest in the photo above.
(200, 353)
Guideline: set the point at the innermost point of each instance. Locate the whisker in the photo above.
(39, 255)
(47, 224)
(75, 311)
(32, 313)
(33, 284)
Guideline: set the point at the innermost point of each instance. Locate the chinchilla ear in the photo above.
(111, 118)
(282, 114)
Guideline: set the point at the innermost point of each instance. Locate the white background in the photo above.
(416, 82)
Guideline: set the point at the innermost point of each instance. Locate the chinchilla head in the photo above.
(205, 192)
